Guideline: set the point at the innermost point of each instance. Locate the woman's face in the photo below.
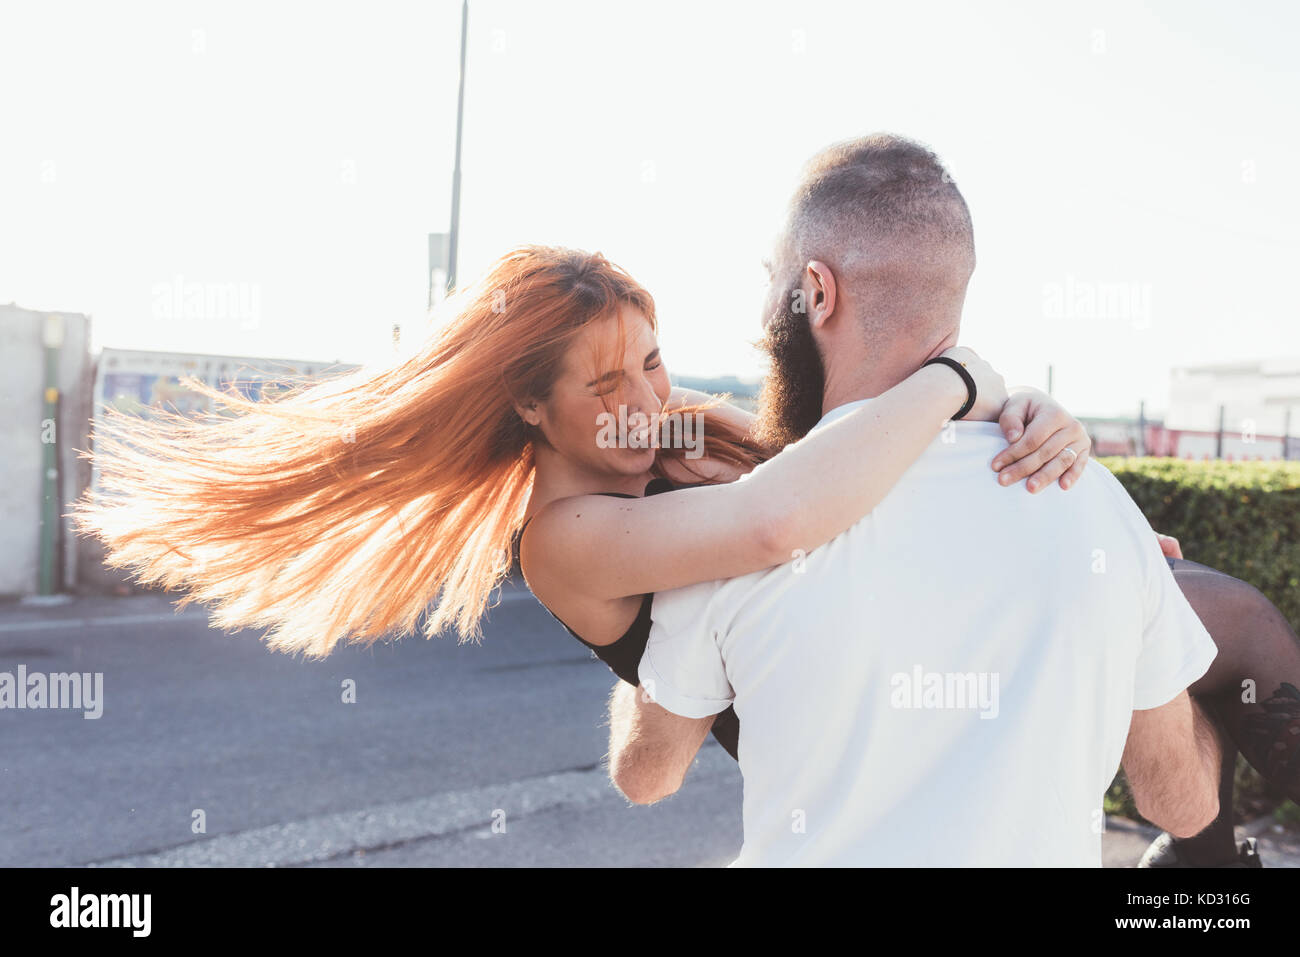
(574, 418)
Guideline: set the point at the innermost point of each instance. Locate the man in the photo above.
(954, 680)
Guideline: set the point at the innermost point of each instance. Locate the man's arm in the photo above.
(650, 748)
(1172, 754)
(1171, 760)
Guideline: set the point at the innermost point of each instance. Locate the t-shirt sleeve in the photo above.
(682, 667)
(1176, 649)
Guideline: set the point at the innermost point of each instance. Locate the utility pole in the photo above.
(455, 175)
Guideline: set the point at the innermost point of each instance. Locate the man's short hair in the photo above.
(878, 200)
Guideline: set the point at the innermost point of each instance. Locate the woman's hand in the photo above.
(1169, 545)
(990, 389)
(1047, 444)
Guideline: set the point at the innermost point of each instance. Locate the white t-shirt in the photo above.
(947, 683)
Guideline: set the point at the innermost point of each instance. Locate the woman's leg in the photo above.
(1252, 689)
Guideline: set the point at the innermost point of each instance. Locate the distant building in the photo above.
(1252, 404)
(136, 381)
(1258, 395)
(139, 381)
(1239, 411)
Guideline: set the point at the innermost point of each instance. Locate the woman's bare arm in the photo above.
(609, 548)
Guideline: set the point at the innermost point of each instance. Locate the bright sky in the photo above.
(1131, 168)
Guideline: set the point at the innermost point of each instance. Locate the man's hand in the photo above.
(1047, 444)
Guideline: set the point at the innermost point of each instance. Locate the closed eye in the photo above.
(606, 383)
(609, 381)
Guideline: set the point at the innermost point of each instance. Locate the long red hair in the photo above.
(350, 508)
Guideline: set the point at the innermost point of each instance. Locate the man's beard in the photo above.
(790, 402)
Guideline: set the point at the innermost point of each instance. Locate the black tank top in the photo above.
(623, 655)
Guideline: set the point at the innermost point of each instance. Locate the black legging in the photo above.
(1259, 651)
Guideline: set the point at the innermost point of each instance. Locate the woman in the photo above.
(355, 508)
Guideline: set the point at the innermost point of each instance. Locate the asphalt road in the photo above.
(451, 755)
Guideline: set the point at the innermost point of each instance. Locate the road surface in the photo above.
(450, 755)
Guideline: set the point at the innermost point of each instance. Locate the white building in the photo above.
(1257, 403)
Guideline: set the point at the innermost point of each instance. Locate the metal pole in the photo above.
(455, 175)
(1218, 441)
(429, 304)
(1142, 428)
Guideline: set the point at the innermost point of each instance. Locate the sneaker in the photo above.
(1164, 852)
(1248, 855)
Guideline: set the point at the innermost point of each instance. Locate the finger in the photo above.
(1034, 450)
(1073, 473)
(1037, 432)
(1012, 419)
(1169, 545)
(1083, 446)
(1052, 469)
(1035, 462)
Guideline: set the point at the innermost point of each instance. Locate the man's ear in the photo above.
(819, 290)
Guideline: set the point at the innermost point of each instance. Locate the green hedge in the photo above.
(1242, 518)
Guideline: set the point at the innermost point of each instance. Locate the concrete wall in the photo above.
(22, 379)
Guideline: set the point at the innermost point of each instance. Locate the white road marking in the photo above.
(48, 624)
(69, 623)
(329, 835)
